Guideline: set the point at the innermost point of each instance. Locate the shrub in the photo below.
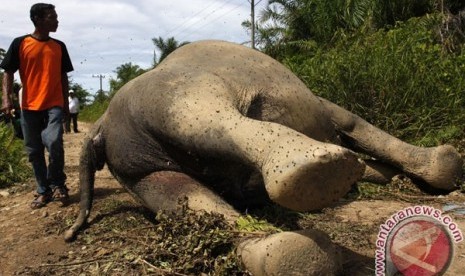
(92, 112)
(13, 162)
(401, 80)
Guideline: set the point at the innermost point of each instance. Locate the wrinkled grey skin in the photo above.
(225, 125)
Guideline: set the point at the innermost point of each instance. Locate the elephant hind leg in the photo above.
(164, 190)
(440, 167)
(303, 174)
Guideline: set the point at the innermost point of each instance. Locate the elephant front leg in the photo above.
(166, 190)
(439, 166)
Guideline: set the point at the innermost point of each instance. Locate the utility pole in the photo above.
(100, 76)
(252, 15)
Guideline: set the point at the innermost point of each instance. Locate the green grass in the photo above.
(92, 112)
(13, 162)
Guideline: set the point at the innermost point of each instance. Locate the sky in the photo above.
(103, 34)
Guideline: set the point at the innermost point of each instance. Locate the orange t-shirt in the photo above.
(41, 65)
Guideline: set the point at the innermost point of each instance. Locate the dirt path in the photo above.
(31, 242)
(26, 240)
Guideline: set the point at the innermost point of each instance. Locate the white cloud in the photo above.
(103, 34)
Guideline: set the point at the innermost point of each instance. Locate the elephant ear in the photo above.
(98, 151)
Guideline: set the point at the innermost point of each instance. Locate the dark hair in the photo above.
(38, 11)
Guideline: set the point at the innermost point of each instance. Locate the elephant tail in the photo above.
(92, 159)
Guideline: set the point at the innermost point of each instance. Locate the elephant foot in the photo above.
(305, 176)
(306, 252)
(441, 167)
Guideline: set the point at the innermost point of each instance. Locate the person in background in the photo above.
(73, 113)
(43, 63)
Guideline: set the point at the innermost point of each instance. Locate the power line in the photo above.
(202, 18)
(193, 16)
(226, 12)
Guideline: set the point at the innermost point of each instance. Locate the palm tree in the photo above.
(165, 47)
(124, 73)
(299, 24)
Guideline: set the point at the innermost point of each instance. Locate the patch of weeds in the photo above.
(400, 186)
(365, 190)
(14, 167)
(280, 217)
(126, 239)
(349, 234)
(195, 242)
(251, 224)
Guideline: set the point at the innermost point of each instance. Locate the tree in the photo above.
(165, 47)
(124, 73)
(295, 25)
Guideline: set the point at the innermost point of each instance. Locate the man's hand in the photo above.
(7, 106)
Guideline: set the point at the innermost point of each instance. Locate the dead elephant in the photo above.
(221, 123)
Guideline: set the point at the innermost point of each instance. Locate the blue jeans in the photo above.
(44, 129)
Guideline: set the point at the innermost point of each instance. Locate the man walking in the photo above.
(43, 64)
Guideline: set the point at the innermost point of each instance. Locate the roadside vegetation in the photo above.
(13, 163)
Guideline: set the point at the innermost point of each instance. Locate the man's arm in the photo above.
(7, 101)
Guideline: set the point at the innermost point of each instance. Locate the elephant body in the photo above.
(225, 125)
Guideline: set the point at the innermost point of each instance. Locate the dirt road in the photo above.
(31, 241)
(27, 237)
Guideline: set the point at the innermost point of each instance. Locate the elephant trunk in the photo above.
(90, 161)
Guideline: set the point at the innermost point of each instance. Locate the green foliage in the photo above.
(165, 47)
(124, 73)
(402, 80)
(286, 25)
(389, 12)
(251, 224)
(13, 162)
(92, 112)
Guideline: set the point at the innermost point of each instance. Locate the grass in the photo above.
(14, 167)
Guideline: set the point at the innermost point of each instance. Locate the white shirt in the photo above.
(73, 105)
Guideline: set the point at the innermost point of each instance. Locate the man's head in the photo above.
(44, 16)
(71, 93)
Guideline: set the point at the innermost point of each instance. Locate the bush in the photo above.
(13, 162)
(92, 112)
(402, 80)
